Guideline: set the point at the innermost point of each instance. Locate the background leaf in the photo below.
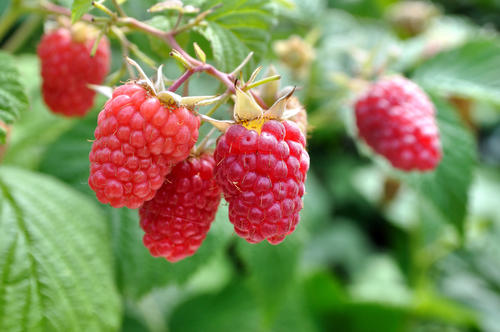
(13, 99)
(445, 189)
(56, 267)
(232, 308)
(272, 271)
(237, 28)
(157, 272)
(468, 71)
(79, 8)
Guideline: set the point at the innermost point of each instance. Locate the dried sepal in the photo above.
(221, 125)
(192, 101)
(277, 110)
(104, 90)
(245, 107)
(238, 69)
(160, 82)
(142, 74)
(254, 75)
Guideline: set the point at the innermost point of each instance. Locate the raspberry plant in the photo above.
(154, 177)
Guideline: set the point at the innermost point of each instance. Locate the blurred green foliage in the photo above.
(376, 250)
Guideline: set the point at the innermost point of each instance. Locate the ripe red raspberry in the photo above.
(67, 68)
(262, 176)
(137, 141)
(178, 218)
(397, 120)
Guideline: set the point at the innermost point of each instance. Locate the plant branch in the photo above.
(178, 82)
(167, 36)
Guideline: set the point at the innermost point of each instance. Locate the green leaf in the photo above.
(73, 149)
(68, 157)
(165, 24)
(445, 189)
(381, 280)
(469, 71)
(155, 272)
(79, 8)
(36, 128)
(272, 270)
(232, 309)
(56, 271)
(294, 315)
(13, 99)
(227, 49)
(237, 28)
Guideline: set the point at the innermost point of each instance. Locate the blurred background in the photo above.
(375, 250)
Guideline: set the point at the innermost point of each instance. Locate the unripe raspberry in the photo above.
(295, 53)
(178, 218)
(262, 174)
(67, 68)
(137, 141)
(397, 120)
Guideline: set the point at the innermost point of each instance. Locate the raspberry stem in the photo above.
(168, 37)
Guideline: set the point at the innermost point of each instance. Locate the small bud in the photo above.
(411, 18)
(81, 32)
(295, 53)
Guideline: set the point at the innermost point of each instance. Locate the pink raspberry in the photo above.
(67, 68)
(262, 177)
(178, 218)
(137, 141)
(397, 120)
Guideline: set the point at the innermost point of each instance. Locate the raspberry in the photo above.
(67, 68)
(301, 117)
(262, 177)
(137, 141)
(178, 218)
(397, 120)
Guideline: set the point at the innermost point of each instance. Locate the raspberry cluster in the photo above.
(178, 218)
(67, 67)
(262, 177)
(137, 141)
(397, 120)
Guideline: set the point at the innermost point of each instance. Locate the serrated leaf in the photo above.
(68, 157)
(13, 99)
(446, 189)
(55, 260)
(232, 309)
(227, 49)
(165, 24)
(469, 71)
(156, 272)
(73, 148)
(37, 127)
(175, 5)
(272, 269)
(237, 28)
(79, 8)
